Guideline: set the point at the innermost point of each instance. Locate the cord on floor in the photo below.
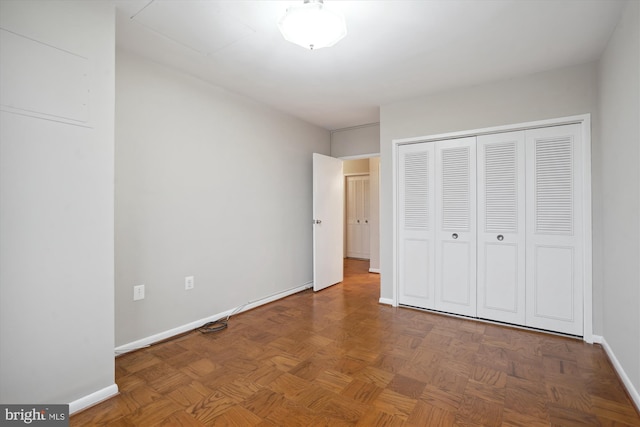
(220, 324)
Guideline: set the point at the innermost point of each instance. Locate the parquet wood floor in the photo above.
(339, 358)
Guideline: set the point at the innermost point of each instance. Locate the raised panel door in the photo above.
(416, 225)
(455, 252)
(554, 229)
(501, 227)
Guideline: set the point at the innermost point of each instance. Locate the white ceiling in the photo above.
(393, 50)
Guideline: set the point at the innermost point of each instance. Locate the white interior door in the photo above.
(554, 229)
(416, 229)
(328, 214)
(501, 227)
(456, 226)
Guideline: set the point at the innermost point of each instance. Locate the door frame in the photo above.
(375, 223)
(584, 120)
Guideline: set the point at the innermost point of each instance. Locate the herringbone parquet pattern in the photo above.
(338, 358)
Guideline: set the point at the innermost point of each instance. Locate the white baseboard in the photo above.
(374, 270)
(635, 396)
(387, 301)
(93, 399)
(147, 341)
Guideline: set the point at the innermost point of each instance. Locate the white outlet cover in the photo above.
(189, 283)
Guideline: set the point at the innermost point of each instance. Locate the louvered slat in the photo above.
(416, 187)
(554, 185)
(501, 188)
(455, 189)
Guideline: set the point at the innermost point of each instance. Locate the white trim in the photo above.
(586, 232)
(356, 174)
(579, 119)
(635, 396)
(375, 270)
(359, 156)
(394, 217)
(93, 398)
(584, 120)
(146, 342)
(386, 301)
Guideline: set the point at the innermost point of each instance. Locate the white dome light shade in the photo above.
(312, 26)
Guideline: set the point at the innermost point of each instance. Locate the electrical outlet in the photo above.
(138, 292)
(189, 283)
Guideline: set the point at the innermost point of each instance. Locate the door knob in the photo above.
(500, 237)
(366, 221)
(358, 221)
(454, 235)
(317, 221)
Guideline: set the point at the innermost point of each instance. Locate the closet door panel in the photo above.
(364, 225)
(353, 240)
(500, 298)
(455, 279)
(417, 289)
(358, 249)
(554, 229)
(553, 291)
(357, 216)
(456, 226)
(416, 224)
(501, 227)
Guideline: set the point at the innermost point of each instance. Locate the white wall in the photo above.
(356, 141)
(209, 184)
(551, 94)
(56, 194)
(619, 84)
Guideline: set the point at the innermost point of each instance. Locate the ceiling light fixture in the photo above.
(312, 25)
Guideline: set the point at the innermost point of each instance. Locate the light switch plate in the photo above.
(138, 292)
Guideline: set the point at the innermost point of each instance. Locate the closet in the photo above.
(357, 213)
(490, 226)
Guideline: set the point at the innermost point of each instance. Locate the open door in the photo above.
(328, 210)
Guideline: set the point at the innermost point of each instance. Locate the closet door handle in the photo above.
(366, 221)
(358, 221)
(500, 237)
(454, 235)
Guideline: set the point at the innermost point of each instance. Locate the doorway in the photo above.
(361, 210)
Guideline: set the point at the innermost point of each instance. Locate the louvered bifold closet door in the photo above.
(416, 224)
(456, 226)
(501, 227)
(554, 229)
